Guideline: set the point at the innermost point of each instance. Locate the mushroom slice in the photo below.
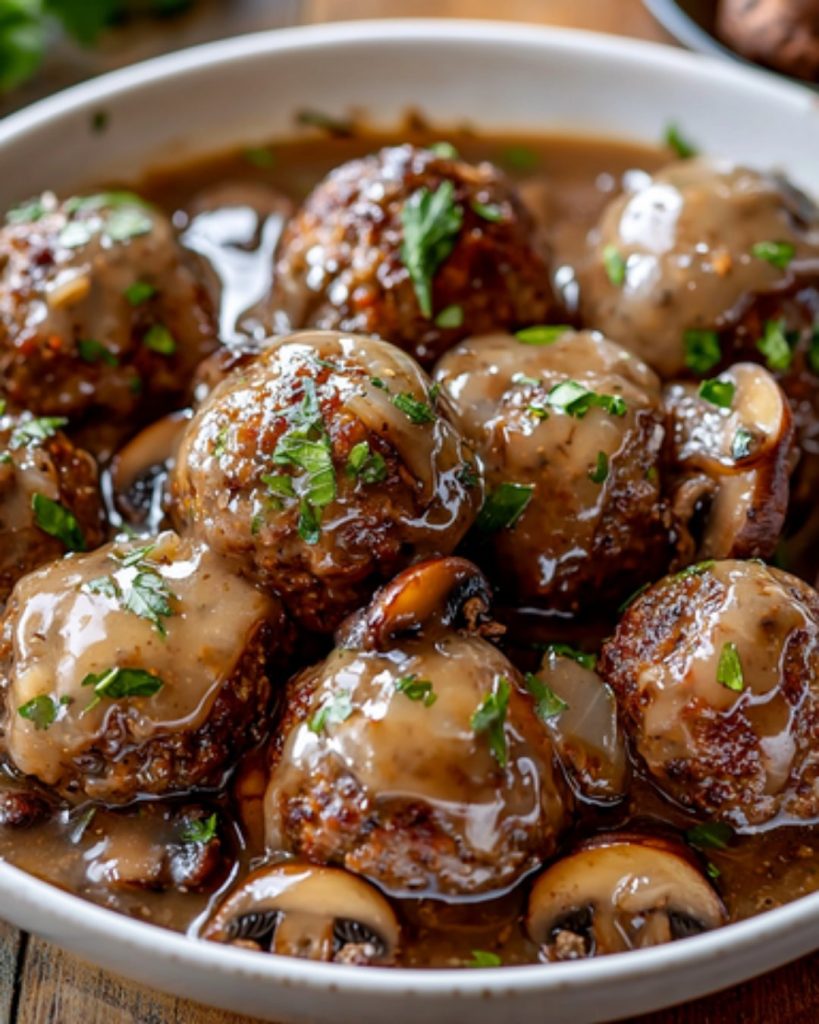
(732, 453)
(580, 711)
(441, 593)
(620, 892)
(315, 913)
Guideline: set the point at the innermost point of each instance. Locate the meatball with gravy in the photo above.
(413, 755)
(418, 248)
(139, 669)
(323, 467)
(97, 309)
(716, 671)
(570, 429)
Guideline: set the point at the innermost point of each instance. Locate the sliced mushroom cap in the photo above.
(437, 594)
(731, 444)
(584, 725)
(315, 913)
(620, 892)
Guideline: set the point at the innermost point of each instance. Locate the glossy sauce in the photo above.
(232, 224)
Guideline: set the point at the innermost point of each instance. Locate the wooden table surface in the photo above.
(41, 984)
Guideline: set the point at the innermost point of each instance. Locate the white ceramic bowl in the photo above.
(498, 77)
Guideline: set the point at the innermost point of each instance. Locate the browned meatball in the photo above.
(417, 248)
(570, 432)
(698, 265)
(322, 468)
(716, 671)
(97, 309)
(49, 496)
(137, 669)
(414, 755)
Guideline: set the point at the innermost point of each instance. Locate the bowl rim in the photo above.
(37, 895)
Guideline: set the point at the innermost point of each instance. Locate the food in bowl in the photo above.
(444, 593)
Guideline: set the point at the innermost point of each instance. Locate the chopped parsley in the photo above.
(115, 683)
(778, 254)
(547, 703)
(33, 210)
(576, 400)
(432, 222)
(417, 689)
(333, 711)
(487, 211)
(588, 661)
(309, 523)
(126, 222)
(92, 351)
(615, 266)
(200, 830)
(503, 506)
(520, 158)
(279, 485)
(468, 475)
(599, 473)
(482, 958)
(335, 126)
(220, 444)
(702, 350)
(260, 157)
(36, 430)
(678, 143)
(729, 669)
(775, 347)
(41, 711)
(135, 556)
(541, 334)
(695, 569)
(450, 318)
(413, 408)
(149, 597)
(159, 339)
(718, 392)
(57, 521)
(489, 717)
(813, 350)
(139, 292)
(364, 465)
(444, 150)
(715, 835)
(742, 444)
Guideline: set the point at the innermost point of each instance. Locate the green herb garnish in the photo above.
(202, 830)
(742, 444)
(159, 339)
(588, 661)
(541, 334)
(115, 683)
(92, 351)
(333, 711)
(615, 266)
(487, 211)
(335, 126)
(813, 350)
(432, 222)
(40, 711)
(57, 521)
(36, 430)
(547, 703)
(417, 689)
(718, 392)
(489, 717)
(715, 835)
(27, 212)
(729, 669)
(364, 465)
(279, 485)
(309, 522)
(775, 347)
(444, 150)
(702, 350)
(260, 157)
(482, 958)
(681, 146)
(576, 400)
(520, 158)
(450, 318)
(599, 473)
(778, 254)
(413, 408)
(149, 597)
(468, 475)
(504, 506)
(139, 292)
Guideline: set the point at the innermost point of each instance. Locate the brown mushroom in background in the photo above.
(716, 673)
(310, 912)
(50, 501)
(569, 428)
(619, 892)
(784, 34)
(322, 468)
(731, 451)
(413, 755)
(143, 668)
(418, 248)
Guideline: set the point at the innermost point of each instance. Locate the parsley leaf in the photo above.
(450, 318)
(712, 835)
(489, 717)
(615, 266)
(416, 689)
(702, 350)
(159, 339)
(139, 292)
(778, 254)
(413, 408)
(503, 506)
(432, 222)
(487, 211)
(547, 703)
(115, 683)
(92, 351)
(261, 157)
(599, 473)
(576, 400)
(482, 958)
(36, 430)
(200, 830)
(364, 465)
(541, 334)
(742, 444)
(681, 146)
(41, 711)
(444, 150)
(718, 392)
(775, 347)
(149, 597)
(588, 661)
(57, 521)
(309, 523)
(336, 709)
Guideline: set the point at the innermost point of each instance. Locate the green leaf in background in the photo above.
(22, 41)
(84, 19)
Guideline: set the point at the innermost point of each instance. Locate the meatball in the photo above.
(323, 467)
(413, 755)
(699, 264)
(49, 496)
(142, 668)
(97, 310)
(570, 432)
(716, 671)
(417, 248)
(783, 34)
